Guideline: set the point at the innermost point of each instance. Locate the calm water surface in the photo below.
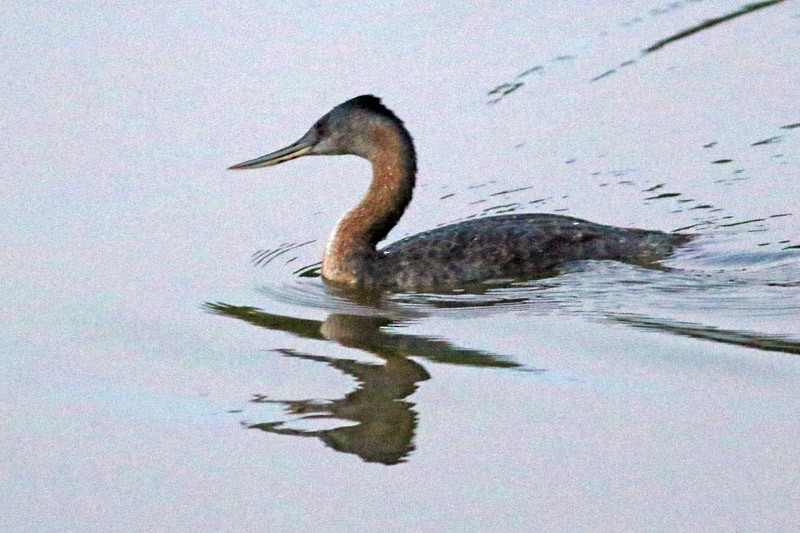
(171, 360)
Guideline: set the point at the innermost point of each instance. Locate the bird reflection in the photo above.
(378, 423)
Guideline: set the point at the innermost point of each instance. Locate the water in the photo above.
(170, 360)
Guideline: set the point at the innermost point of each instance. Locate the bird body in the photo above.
(498, 247)
(508, 247)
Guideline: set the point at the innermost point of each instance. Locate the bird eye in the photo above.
(321, 128)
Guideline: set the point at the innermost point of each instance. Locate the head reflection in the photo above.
(384, 423)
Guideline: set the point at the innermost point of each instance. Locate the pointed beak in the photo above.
(298, 149)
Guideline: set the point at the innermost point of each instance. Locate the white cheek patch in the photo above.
(334, 233)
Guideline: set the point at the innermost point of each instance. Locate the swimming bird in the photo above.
(500, 247)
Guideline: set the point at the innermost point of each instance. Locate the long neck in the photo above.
(393, 173)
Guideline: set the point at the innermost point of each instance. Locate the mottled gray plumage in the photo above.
(500, 247)
(510, 246)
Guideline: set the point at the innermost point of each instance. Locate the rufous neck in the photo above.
(393, 175)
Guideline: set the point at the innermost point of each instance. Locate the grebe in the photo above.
(499, 247)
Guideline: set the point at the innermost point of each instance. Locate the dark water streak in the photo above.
(710, 23)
